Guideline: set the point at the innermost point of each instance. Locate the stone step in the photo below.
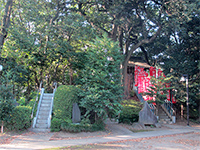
(42, 121)
(43, 113)
(163, 115)
(44, 108)
(41, 125)
(46, 101)
(45, 105)
(47, 98)
(165, 119)
(43, 117)
(39, 130)
(165, 122)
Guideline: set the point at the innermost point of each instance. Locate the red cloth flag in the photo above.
(139, 71)
(140, 84)
(153, 71)
(147, 82)
(159, 72)
(136, 75)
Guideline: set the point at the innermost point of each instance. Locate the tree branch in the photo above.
(144, 41)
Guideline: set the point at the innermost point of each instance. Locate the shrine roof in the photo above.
(139, 61)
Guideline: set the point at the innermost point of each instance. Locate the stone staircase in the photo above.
(42, 119)
(163, 117)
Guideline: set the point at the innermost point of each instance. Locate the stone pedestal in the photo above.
(146, 116)
(76, 114)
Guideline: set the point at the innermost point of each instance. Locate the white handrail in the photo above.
(38, 108)
(36, 99)
(51, 107)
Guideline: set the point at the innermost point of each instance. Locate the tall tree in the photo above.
(100, 79)
(132, 23)
(43, 43)
(5, 20)
(178, 49)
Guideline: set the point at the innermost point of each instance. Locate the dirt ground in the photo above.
(189, 141)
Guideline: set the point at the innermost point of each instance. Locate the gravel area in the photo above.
(186, 140)
(190, 141)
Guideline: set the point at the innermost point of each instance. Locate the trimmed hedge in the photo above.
(65, 96)
(56, 124)
(82, 127)
(20, 119)
(130, 111)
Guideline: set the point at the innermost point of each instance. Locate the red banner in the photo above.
(136, 75)
(140, 84)
(139, 71)
(143, 82)
(153, 72)
(159, 72)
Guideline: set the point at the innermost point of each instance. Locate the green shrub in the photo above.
(65, 96)
(22, 101)
(31, 104)
(82, 127)
(56, 124)
(20, 119)
(132, 93)
(130, 111)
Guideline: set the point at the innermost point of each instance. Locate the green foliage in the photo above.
(130, 111)
(21, 118)
(22, 101)
(68, 126)
(132, 93)
(6, 102)
(6, 109)
(56, 124)
(82, 127)
(64, 98)
(158, 90)
(101, 78)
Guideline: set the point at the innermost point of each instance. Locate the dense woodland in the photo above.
(57, 41)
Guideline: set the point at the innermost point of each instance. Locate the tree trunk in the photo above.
(125, 77)
(2, 126)
(5, 22)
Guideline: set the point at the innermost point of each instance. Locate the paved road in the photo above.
(119, 137)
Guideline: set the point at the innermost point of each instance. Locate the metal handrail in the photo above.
(36, 99)
(151, 106)
(38, 108)
(169, 108)
(51, 107)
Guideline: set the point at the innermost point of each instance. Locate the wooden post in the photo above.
(181, 112)
(1, 126)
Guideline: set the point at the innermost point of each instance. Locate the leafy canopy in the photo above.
(101, 78)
